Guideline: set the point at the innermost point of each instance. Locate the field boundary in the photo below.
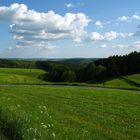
(72, 85)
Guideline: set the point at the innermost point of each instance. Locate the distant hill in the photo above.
(30, 62)
(76, 61)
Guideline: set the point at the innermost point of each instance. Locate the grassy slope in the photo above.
(70, 113)
(20, 76)
(135, 78)
(131, 82)
(27, 76)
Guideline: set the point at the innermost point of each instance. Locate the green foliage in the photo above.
(6, 63)
(121, 65)
(68, 76)
(91, 73)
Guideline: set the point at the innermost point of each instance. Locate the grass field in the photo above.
(32, 76)
(135, 78)
(69, 113)
(21, 76)
(128, 82)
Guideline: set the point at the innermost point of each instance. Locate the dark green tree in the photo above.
(68, 76)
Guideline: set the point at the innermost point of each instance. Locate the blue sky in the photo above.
(55, 29)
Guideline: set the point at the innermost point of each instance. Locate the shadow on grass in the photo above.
(133, 83)
(9, 128)
(101, 81)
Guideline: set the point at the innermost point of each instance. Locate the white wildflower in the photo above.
(44, 126)
(53, 134)
(18, 105)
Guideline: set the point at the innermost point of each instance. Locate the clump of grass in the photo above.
(11, 124)
(16, 124)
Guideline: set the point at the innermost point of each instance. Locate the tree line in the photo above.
(97, 70)
(121, 65)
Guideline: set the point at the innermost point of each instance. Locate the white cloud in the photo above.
(129, 18)
(69, 5)
(99, 24)
(123, 18)
(108, 36)
(95, 36)
(136, 44)
(30, 27)
(124, 35)
(121, 46)
(136, 17)
(103, 46)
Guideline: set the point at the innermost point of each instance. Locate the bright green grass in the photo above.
(21, 76)
(69, 113)
(118, 83)
(130, 82)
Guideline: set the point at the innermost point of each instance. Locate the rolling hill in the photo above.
(21, 76)
(32, 76)
(129, 82)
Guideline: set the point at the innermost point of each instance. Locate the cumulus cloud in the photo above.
(129, 18)
(137, 17)
(69, 5)
(30, 27)
(99, 24)
(95, 36)
(123, 18)
(108, 36)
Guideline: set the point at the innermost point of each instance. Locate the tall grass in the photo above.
(17, 124)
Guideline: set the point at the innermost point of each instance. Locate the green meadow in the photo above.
(33, 76)
(66, 112)
(41, 112)
(124, 82)
(21, 76)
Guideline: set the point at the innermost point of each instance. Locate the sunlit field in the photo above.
(39, 113)
(21, 76)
